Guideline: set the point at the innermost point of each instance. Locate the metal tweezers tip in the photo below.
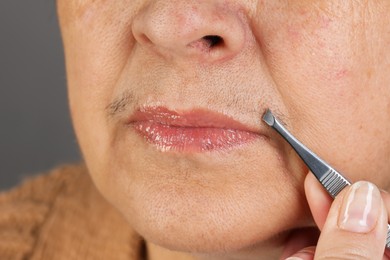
(269, 118)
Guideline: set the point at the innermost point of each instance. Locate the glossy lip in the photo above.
(195, 130)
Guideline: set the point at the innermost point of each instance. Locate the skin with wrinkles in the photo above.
(322, 66)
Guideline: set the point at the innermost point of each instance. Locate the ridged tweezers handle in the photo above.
(334, 183)
(388, 236)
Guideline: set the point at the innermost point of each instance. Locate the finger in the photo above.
(320, 202)
(298, 239)
(318, 198)
(356, 226)
(304, 254)
(386, 200)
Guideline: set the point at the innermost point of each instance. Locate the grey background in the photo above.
(35, 128)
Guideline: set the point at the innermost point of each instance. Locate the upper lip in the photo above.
(194, 118)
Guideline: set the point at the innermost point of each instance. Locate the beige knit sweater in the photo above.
(61, 216)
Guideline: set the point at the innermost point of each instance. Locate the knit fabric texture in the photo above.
(62, 216)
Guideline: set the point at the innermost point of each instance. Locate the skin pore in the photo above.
(322, 66)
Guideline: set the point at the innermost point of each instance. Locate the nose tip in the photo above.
(204, 30)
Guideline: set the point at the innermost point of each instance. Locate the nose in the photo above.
(206, 30)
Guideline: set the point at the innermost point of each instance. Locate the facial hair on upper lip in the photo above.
(128, 101)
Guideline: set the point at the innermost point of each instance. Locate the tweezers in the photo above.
(333, 181)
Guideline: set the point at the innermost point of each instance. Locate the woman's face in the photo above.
(167, 99)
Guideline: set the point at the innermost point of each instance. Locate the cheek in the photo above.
(311, 49)
(97, 43)
(312, 63)
(98, 40)
(323, 68)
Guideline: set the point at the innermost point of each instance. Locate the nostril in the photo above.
(213, 40)
(207, 43)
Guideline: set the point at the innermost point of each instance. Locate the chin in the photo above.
(203, 216)
(240, 202)
(218, 232)
(212, 228)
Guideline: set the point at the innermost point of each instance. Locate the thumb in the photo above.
(356, 225)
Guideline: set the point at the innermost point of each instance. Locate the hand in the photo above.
(353, 226)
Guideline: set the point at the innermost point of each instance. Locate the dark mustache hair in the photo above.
(128, 100)
(121, 103)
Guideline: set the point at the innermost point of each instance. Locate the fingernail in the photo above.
(294, 258)
(360, 208)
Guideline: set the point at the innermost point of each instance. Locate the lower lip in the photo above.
(191, 139)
